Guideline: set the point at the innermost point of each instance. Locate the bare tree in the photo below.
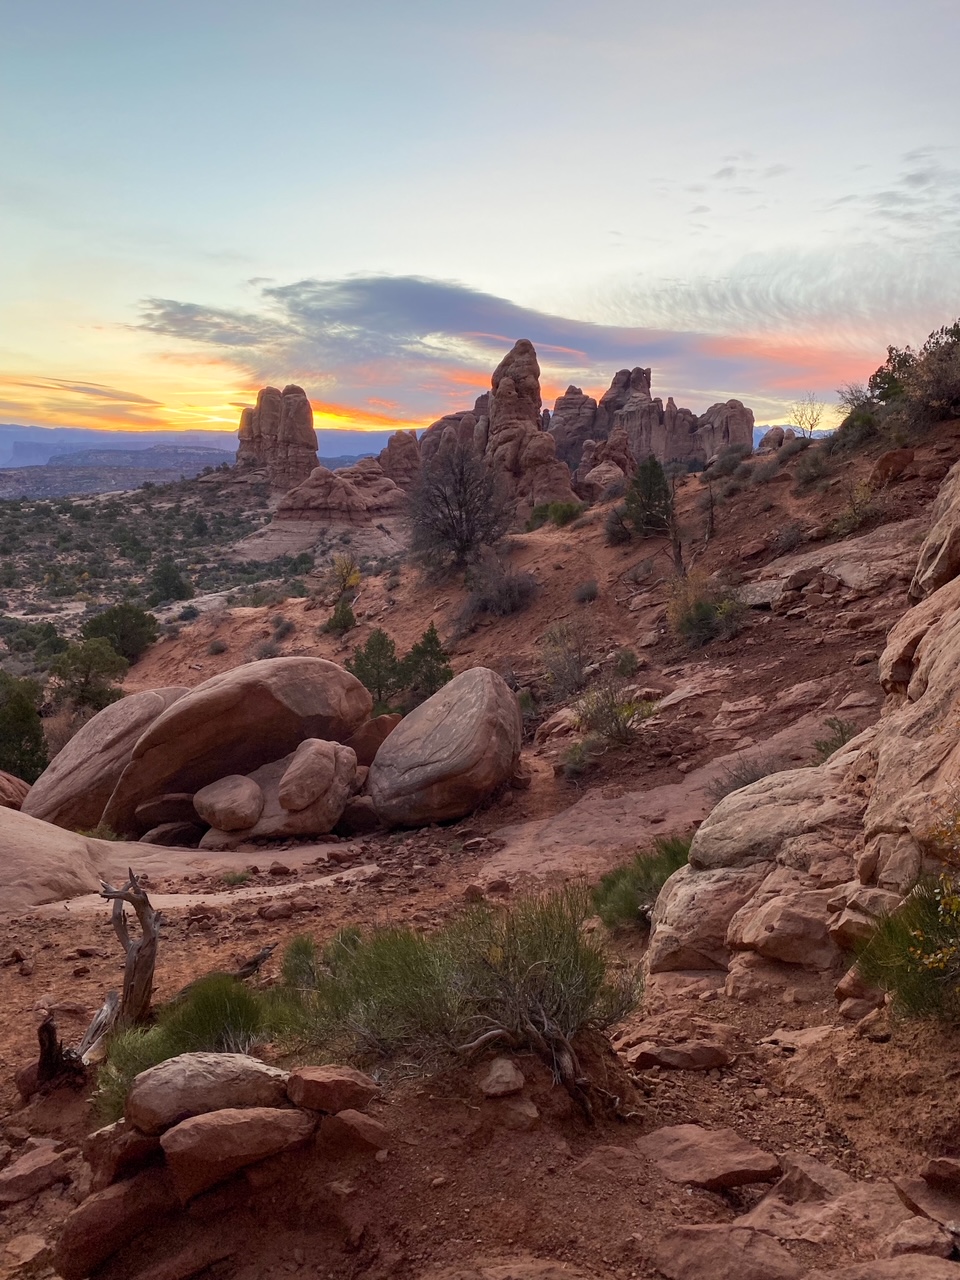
(806, 414)
(456, 507)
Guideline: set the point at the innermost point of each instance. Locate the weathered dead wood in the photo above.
(141, 952)
(55, 1066)
(246, 969)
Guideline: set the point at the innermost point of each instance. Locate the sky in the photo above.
(375, 200)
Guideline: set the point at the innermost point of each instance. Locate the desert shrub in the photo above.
(863, 507)
(188, 614)
(625, 896)
(648, 505)
(586, 592)
(813, 467)
(40, 640)
(425, 669)
(790, 448)
(566, 656)
(168, 583)
(82, 674)
(627, 663)
(787, 539)
(841, 731)
(234, 878)
(283, 627)
(763, 472)
(378, 669)
(606, 711)
(700, 610)
(498, 593)
(344, 573)
(914, 953)
(615, 528)
(102, 831)
(528, 972)
(128, 629)
(741, 772)
(216, 647)
(728, 460)
(577, 759)
(558, 513)
(23, 750)
(265, 649)
(341, 620)
(217, 1014)
(859, 428)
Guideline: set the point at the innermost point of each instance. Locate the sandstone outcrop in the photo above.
(468, 426)
(305, 793)
(518, 450)
(13, 791)
(400, 459)
(355, 495)
(723, 425)
(939, 559)
(74, 789)
(43, 863)
(277, 435)
(572, 425)
(795, 869)
(235, 723)
(450, 753)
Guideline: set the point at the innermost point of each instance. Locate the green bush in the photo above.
(168, 584)
(128, 629)
(616, 530)
(627, 663)
(558, 513)
(217, 1014)
(425, 669)
(701, 610)
(813, 467)
(841, 731)
(648, 505)
(216, 647)
(606, 711)
(378, 669)
(914, 953)
(83, 674)
(341, 620)
(528, 973)
(625, 896)
(23, 751)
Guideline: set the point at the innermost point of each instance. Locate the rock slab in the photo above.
(715, 1159)
(205, 1149)
(195, 1083)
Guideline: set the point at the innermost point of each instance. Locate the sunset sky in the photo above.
(377, 199)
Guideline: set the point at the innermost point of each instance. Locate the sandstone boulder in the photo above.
(352, 1131)
(116, 1151)
(771, 439)
(601, 480)
(889, 467)
(230, 803)
(233, 724)
(330, 1089)
(13, 791)
(109, 1219)
(715, 1159)
(206, 1149)
(400, 459)
(305, 793)
(367, 740)
(195, 1083)
(723, 1251)
(74, 789)
(450, 753)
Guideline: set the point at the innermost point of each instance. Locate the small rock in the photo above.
(502, 1078)
(194, 1083)
(917, 1235)
(516, 1113)
(473, 893)
(330, 1089)
(278, 869)
(715, 1159)
(276, 910)
(32, 1173)
(864, 656)
(29, 1253)
(695, 1055)
(352, 1130)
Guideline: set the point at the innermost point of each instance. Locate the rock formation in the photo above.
(353, 495)
(448, 754)
(518, 450)
(670, 433)
(572, 425)
(794, 869)
(277, 435)
(470, 426)
(13, 791)
(400, 459)
(233, 724)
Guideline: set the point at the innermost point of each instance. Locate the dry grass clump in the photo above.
(700, 610)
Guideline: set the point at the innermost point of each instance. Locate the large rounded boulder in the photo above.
(233, 724)
(450, 753)
(73, 791)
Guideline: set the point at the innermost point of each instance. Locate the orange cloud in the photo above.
(794, 366)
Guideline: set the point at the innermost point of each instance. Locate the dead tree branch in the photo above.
(141, 952)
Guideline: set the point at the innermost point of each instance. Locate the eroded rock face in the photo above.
(724, 425)
(450, 753)
(572, 424)
(74, 789)
(278, 435)
(939, 559)
(13, 791)
(518, 450)
(400, 459)
(356, 495)
(235, 723)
